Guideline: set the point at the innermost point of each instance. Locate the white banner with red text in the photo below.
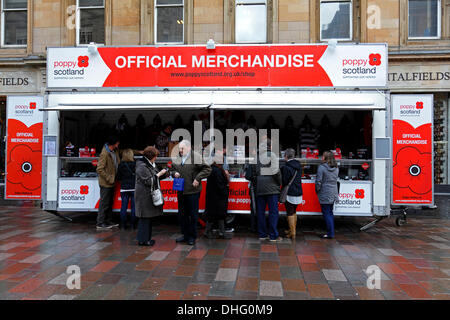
(293, 65)
(355, 197)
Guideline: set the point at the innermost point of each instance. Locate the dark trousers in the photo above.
(126, 197)
(327, 211)
(272, 202)
(105, 205)
(291, 209)
(144, 232)
(188, 215)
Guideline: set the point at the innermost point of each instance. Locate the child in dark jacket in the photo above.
(126, 174)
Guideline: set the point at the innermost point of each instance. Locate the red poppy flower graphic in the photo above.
(83, 61)
(419, 105)
(24, 167)
(32, 105)
(375, 59)
(84, 189)
(412, 170)
(359, 194)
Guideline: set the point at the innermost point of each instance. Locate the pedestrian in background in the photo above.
(147, 180)
(190, 166)
(291, 174)
(327, 190)
(268, 185)
(127, 177)
(107, 166)
(217, 191)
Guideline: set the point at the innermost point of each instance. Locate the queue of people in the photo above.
(140, 186)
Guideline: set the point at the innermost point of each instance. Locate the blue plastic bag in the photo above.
(178, 184)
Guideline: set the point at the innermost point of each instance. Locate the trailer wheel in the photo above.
(400, 221)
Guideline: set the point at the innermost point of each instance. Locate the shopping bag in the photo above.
(178, 184)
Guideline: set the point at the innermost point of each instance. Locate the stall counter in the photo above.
(355, 197)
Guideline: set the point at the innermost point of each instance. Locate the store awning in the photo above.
(293, 107)
(104, 107)
(218, 100)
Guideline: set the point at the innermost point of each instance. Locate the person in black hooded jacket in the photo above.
(295, 192)
(126, 174)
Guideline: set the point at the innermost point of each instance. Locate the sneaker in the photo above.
(229, 230)
(112, 224)
(264, 238)
(180, 239)
(150, 243)
(279, 239)
(103, 226)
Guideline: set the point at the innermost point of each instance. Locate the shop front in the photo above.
(429, 76)
(16, 82)
(319, 97)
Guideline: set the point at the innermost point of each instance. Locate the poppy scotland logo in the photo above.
(83, 61)
(359, 194)
(32, 105)
(413, 171)
(375, 59)
(84, 189)
(419, 105)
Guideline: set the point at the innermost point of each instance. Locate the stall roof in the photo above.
(218, 100)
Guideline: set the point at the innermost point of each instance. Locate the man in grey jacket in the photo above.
(267, 179)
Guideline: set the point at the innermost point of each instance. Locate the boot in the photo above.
(208, 230)
(221, 229)
(292, 220)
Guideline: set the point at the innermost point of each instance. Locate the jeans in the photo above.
(105, 205)
(188, 213)
(272, 202)
(327, 211)
(126, 197)
(144, 233)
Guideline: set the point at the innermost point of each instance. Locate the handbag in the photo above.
(178, 184)
(157, 197)
(284, 191)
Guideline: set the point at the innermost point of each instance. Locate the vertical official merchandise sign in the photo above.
(24, 147)
(412, 138)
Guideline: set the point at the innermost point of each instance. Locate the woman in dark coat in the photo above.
(295, 192)
(126, 174)
(327, 190)
(216, 200)
(147, 177)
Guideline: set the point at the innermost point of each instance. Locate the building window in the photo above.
(336, 20)
(14, 22)
(90, 21)
(251, 21)
(424, 19)
(169, 22)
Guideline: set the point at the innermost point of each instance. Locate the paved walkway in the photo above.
(36, 248)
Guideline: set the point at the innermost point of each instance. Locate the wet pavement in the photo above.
(36, 249)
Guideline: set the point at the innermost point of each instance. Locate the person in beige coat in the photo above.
(108, 163)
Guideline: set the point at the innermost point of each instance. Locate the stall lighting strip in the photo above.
(88, 107)
(230, 106)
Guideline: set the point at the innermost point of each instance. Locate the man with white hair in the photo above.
(190, 166)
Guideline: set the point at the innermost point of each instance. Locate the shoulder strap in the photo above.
(293, 178)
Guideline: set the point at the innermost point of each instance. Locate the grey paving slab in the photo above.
(270, 288)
